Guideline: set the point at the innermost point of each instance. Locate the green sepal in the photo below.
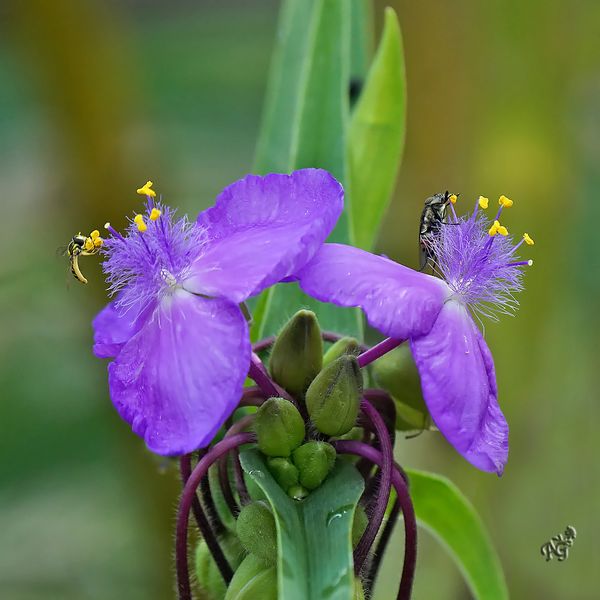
(314, 461)
(333, 398)
(253, 579)
(256, 530)
(297, 354)
(279, 427)
(284, 472)
(345, 345)
(209, 579)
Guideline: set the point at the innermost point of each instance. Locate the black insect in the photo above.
(432, 217)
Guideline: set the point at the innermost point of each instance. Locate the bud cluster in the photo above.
(313, 410)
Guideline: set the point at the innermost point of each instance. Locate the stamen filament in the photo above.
(113, 231)
(521, 263)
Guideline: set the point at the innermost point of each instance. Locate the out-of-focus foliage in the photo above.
(98, 96)
(376, 136)
(448, 515)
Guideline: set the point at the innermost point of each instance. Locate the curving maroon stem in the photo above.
(258, 373)
(224, 481)
(378, 351)
(252, 396)
(410, 524)
(206, 530)
(185, 503)
(384, 539)
(376, 518)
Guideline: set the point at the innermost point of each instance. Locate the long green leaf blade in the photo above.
(376, 135)
(289, 70)
(442, 509)
(314, 536)
(316, 135)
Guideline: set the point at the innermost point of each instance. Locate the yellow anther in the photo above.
(89, 244)
(483, 202)
(494, 228)
(95, 234)
(154, 214)
(528, 240)
(505, 202)
(502, 230)
(98, 242)
(453, 198)
(146, 190)
(139, 221)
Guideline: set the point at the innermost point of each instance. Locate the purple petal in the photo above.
(459, 387)
(263, 229)
(398, 301)
(114, 327)
(178, 379)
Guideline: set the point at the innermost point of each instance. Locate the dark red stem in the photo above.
(186, 501)
(410, 524)
(203, 524)
(377, 351)
(384, 539)
(376, 518)
(224, 480)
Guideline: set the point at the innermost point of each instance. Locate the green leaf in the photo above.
(305, 124)
(441, 508)
(376, 135)
(361, 36)
(287, 78)
(313, 536)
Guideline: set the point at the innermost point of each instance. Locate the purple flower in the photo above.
(177, 336)
(479, 274)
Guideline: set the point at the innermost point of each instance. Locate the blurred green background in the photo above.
(98, 96)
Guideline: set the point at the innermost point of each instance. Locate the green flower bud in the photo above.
(397, 373)
(210, 581)
(279, 427)
(297, 492)
(314, 461)
(345, 345)
(253, 579)
(256, 529)
(333, 398)
(297, 354)
(284, 472)
(359, 524)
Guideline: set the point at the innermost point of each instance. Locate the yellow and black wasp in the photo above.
(432, 217)
(82, 245)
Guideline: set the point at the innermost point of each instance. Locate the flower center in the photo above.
(476, 257)
(154, 254)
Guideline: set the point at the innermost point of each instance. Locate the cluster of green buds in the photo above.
(310, 412)
(320, 399)
(326, 389)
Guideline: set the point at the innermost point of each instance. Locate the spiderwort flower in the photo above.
(479, 274)
(177, 336)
